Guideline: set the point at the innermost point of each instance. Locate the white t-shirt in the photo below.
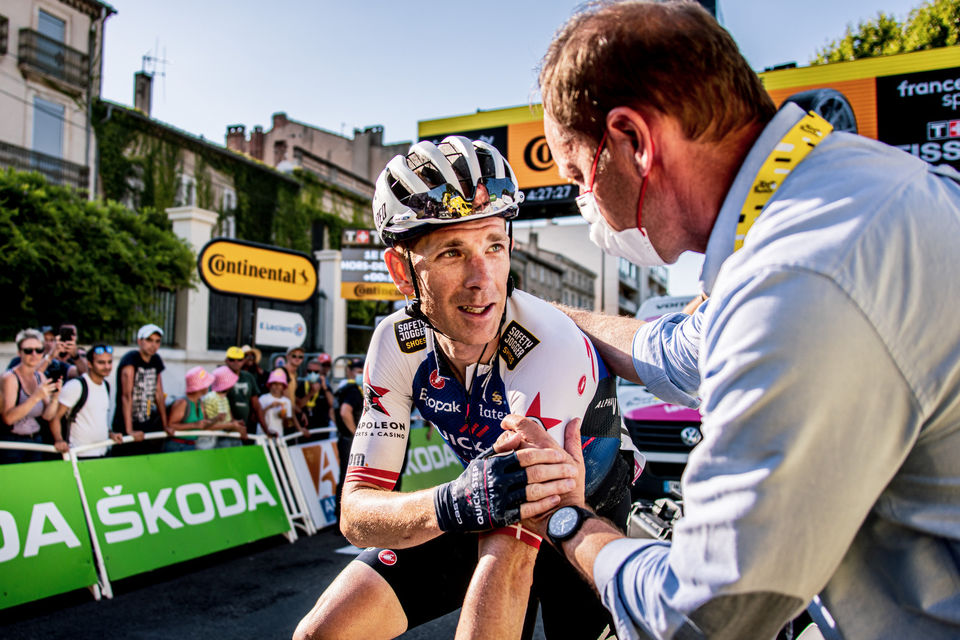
(91, 423)
(272, 412)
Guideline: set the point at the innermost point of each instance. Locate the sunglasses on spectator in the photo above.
(237, 359)
(100, 350)
(296, 357)
(31, 350)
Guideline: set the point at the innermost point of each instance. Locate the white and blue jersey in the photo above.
(544, 368)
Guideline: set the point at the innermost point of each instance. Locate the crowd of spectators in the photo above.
(55, 392)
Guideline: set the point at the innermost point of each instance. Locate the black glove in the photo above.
(486, 496)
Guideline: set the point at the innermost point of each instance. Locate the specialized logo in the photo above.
(496, 397)
(437, 381)
(582, 385)
(536, 155)
(515, 344)
(690, 436)
(372, 397)
(410, 335)
(387, 557)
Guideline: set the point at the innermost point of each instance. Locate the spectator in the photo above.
(217, 405)
(28, 396)
(244, 395)
(349, 405)
(50, 366)
(291, 366)
(142, 407)
(251, 363)
(70, 352)
(83, 416)
(186, 414)
(314, 397)
(277, 408)
(676, 146)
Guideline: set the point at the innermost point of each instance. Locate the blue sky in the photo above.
(345, 65)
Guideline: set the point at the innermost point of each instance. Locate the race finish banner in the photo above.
(44, 544)
(238, 267)
(363, 273)
(155, 510)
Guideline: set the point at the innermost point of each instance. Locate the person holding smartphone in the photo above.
(27, 397)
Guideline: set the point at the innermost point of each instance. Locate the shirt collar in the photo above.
(720, 244)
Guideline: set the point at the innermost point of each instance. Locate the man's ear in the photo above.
(397, 266)
(630, 131)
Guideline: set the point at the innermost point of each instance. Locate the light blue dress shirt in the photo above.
(828, 361)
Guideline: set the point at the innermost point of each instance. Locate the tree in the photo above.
(932, 24)
(64, 258)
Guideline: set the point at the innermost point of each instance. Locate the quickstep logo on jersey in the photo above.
(410, 336)
(516, 343)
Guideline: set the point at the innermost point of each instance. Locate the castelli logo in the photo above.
(387, 557)
(581, 385)
(436, 380)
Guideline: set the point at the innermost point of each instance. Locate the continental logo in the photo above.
(410, 335)
(536, 155)
(369, 291)
(246, 268)
(516, 343)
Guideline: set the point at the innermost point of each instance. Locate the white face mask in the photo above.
(632, 244)
(359, 379)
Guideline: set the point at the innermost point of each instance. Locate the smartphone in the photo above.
(66, 335)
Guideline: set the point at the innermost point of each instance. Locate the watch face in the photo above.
(563, 522)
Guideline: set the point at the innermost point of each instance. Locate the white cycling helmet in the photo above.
(443, 184)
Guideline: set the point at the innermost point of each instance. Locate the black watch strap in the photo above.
(565, 522)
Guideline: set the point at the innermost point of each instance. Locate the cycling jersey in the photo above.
(544, 368)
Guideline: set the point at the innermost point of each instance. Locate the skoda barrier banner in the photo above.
(154, 510)
(44, 545)
(429, 462)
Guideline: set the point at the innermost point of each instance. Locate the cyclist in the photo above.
(467, 351)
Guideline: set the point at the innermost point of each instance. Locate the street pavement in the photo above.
(259, 590)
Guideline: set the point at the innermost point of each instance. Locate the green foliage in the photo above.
(204, 184)
(161, 165)
(932, 24)
(63, 257)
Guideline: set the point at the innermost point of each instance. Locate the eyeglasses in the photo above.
(102, 349)
(31, 350)
(295, 357)
(237, 359)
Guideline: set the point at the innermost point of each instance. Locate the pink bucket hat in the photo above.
(277, 375)
(198, 379)
(224, 378)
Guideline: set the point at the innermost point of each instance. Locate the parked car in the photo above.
(665, 433)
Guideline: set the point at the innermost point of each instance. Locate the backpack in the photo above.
(72, 414)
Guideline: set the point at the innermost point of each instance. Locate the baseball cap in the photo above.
(277, 376)
(356, 363)
(235, 353)
(148, 330)
(323, 358)
(292, 349)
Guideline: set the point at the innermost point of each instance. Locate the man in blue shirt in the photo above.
(826, 362)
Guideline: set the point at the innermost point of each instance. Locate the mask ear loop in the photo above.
(643, 190)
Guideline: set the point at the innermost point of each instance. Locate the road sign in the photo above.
(238, 267)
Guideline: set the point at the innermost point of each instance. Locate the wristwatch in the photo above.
(565, 522)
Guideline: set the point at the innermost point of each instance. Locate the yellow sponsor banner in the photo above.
(369, 291)
(530, 156)
(238, 267)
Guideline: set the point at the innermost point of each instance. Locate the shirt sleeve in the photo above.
(665, 355)
(556, 379)
(70, 393)
(790, 443)
(380, 441)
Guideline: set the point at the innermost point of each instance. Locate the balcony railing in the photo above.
(37, 52)
(54, 169)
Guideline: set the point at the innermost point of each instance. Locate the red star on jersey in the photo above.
(373, 394)
(534, 412)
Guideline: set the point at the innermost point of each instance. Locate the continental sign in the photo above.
(369, 291)
(238, 267)
(911, 101)
(363, 274)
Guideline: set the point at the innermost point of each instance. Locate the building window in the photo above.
(48, 127)
(187, 195)
(50, 47)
